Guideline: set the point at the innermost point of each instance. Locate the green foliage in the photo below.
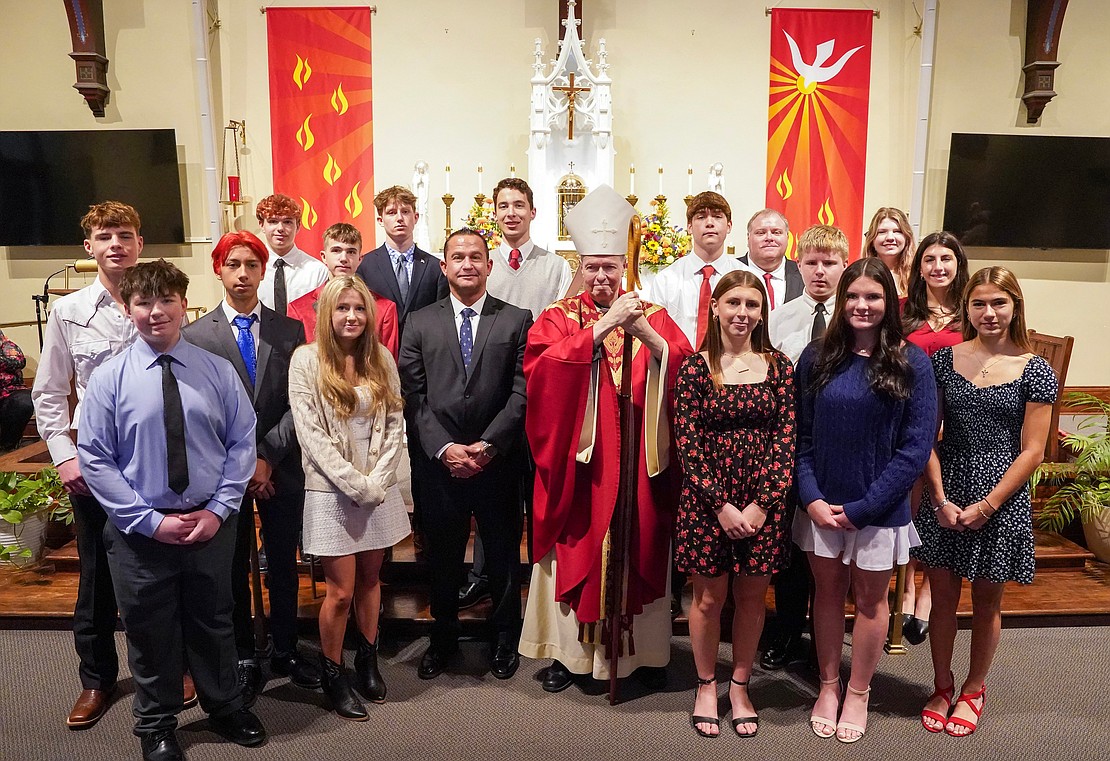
(1087, 492)
(22, 496)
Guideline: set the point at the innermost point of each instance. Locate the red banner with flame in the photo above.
(321, 117)
(817, 120)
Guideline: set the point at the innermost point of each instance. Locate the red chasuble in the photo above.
(576, 490)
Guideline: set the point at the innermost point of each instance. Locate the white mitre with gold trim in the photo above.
(598, 224)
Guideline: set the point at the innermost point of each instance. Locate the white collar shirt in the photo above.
(303, 274)
(792, 324)
(677, 288)
(231, 314)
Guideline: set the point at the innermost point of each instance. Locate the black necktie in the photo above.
(177, 461)
(818, 329)
(280, 299)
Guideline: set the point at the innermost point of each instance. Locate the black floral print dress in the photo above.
(737, 446)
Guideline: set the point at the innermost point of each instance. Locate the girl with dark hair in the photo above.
(997, 405)
(734, 426)
(931, 319)
(867, 420)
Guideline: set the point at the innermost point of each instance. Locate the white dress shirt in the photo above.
(792, 324)
(231, 314)
(303, 273)
(457, 307)
(543, 277)
(778, 280)
(85, 328)
(677, 288)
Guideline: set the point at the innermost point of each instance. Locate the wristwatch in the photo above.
(489, 450)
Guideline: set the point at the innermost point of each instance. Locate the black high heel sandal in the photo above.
(744, 719)
(712, 720)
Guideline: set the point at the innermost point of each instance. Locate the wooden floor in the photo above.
(1070, 588)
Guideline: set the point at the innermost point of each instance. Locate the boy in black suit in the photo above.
(462, 375)
(259, 342)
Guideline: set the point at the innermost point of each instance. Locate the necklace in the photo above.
(737, 356)
(988, 365)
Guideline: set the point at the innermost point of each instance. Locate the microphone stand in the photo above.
(40, 300)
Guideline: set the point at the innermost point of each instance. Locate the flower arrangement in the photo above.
(662, 243)
(480, 218)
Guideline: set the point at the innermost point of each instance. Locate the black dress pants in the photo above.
(15, 410)
(95, 614)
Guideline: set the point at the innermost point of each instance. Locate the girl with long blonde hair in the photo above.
(890, 239)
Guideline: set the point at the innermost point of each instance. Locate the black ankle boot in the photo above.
(369, 679)
(336, 684)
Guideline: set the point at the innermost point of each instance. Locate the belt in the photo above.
(183, 510)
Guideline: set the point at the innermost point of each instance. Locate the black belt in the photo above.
(183, 510)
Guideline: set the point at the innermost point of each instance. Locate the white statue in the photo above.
(716, 177)
(421, 234)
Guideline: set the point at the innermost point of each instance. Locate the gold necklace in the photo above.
(737, 356)
(988, 365)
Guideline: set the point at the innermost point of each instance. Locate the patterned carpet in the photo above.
(1046, 700)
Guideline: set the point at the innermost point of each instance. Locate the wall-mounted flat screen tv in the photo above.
(48, 180)
(1029, 191)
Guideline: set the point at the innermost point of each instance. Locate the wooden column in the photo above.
(1043, 22)
(86, 29)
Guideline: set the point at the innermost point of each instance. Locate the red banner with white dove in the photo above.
(321, 117)
(817, 120)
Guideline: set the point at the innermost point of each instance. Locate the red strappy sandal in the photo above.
(940, 718)
(967, 698)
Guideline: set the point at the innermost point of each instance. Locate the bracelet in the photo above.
(992, 507)
(941, 506)
(980, 509)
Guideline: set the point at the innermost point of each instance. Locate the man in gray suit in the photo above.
(259, 343)
(768, 236)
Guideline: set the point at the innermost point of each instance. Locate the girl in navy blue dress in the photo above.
(867, 420)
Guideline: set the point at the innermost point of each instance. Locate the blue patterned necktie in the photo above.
(245, 339)
(466, 336)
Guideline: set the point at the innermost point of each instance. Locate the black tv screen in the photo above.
(48, 180)
(1029, 191)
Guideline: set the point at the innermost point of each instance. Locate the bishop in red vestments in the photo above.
(573, 366)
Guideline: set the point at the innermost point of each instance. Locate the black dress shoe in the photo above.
(250, 682)
(914, 630)
(435, 661)
(505, 661)
(473, 593)
(240, 727)
(781, 651)
(299, 670)
(161, 746)
(557, 678)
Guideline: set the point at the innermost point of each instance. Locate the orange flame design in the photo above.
(825, 214)
(783, 185)
(301, 72)
(308, 214)
(352, 203)
(339, 100)
(332, 172)
(304, 135)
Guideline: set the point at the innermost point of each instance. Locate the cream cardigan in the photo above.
(325, 439)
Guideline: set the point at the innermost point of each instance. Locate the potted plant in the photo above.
(1084, 484)
(27, 502)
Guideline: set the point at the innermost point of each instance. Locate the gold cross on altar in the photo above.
(572, 95)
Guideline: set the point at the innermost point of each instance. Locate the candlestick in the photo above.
(632, 200)
(690, 180)
(660, 179)
(512, 170)
(632, 180)
(447, 180)
(447, 200)
(479, 179)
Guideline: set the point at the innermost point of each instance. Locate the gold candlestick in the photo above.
(688, 199)
(660, 198)
(480, 199)
(448, 199)
(632, 200)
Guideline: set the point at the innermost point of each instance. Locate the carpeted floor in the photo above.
(1046, 701)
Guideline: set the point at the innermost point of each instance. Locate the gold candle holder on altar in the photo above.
(633, 200)
(448, 199)
(480, 199)
(660, 198)
(688, 199)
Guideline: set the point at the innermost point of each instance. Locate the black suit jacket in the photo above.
(278, 337)
(443, 402)
(428, 283)
(794, 284)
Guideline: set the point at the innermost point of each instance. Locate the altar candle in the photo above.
(447, 179)
(512, 170)
(690, 180)
(479, 178)
(631, 179)
(660, 179)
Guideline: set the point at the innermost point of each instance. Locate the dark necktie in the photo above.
(703, 303)
(770, 290)
(281, 300)
(818, 329)
(402, 279)
(466, 336)
(245, 339)
(514, 258)
(177, 461)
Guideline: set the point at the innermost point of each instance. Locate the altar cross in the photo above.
(572, 94)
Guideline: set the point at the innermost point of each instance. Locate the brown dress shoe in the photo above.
(90, 706)
(189, 689)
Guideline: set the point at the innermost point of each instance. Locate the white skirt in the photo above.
(875, 548)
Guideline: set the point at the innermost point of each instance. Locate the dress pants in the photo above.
(793, 591)
(95, 614)
(15, 410)
(493, 498)
(176, 599)
(281, 530)
(477, 571)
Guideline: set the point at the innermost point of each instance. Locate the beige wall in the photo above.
(451, 86)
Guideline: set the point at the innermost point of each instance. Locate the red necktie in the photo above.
(703, 302)
(770, 290)
(514, 258)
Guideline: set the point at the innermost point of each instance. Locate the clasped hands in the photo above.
(828, 516)
(740, 524)
(627, 312)
(956, 518)
(466, 460)
(187, 528)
